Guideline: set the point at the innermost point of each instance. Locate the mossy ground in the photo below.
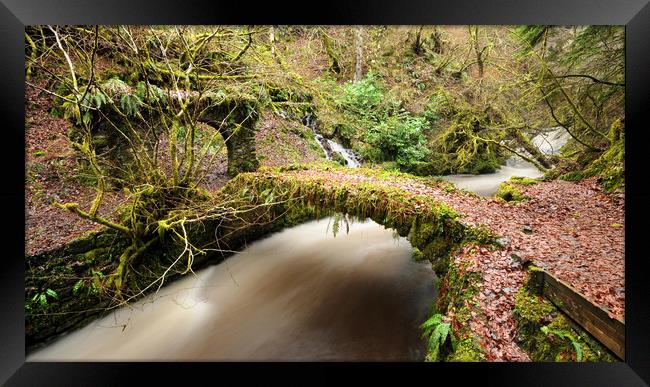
(510, 193)
(457, 290)
(547, 334)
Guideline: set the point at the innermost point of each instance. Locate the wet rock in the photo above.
(504, 242)
(520, 258)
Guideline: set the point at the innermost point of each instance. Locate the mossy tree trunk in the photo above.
(525, 143)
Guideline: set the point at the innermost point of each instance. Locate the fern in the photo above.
(77, 287)
(531, 36)
(565, 335)
(116, 86)
(438, 332)
(336, 225)
(130, 104)
(71, 109)
(340, 218)
(155, 95)
(41, 298)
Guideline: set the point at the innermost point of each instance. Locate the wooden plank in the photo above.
(608, 331)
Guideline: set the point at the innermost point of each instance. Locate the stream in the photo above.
(329, 146)
(548, 142)
(300, 294)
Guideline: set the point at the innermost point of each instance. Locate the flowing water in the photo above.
(487, 184)
(330, 146)
(301, 294)
(347, 154)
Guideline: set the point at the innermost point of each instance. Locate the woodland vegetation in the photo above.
(136, 129)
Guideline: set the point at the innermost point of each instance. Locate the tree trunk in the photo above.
(272, 40)
(359, 54)
(417, 46)
(334, 66)
(525, 143)
(477, 51)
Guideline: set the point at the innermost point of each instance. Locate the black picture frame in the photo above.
(15, 14)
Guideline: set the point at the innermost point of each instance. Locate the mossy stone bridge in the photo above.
(234, 115)
(302, 192)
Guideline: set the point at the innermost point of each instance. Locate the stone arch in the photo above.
(235, 118)
(433, 229)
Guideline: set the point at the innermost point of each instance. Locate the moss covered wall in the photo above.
(235, 120)
(455, 300)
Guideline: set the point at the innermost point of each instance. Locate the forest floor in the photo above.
(577, 235)
(50, 173)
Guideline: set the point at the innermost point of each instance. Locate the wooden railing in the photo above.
(608, 331)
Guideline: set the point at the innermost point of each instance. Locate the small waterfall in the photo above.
(347, 154)
(322, 141)
(551, 141)
(330, 146)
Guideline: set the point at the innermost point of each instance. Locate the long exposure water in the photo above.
(300, 294)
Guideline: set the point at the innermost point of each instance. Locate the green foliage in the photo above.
(131, 104)
(546, 334)
(437, 331)
(531, 36)
(417, 254)
(399, 138)
(152, 94)
(610, 166)
(41, 300)
(440, 105)
(510, 193)
(565, 335)
(115, 86)
(364, 98)
(595, 42)
(340, 218)
(571, 176)
(77, 287)
(521, 180)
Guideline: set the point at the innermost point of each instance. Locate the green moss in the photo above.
(532, 307)
(417, 254)
(523, 180)
(466, 351)
(571, 176)
(546, 334)
(510, 193)
(610, 166)
(480, 235)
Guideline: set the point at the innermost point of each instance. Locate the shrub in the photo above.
(399, 138)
